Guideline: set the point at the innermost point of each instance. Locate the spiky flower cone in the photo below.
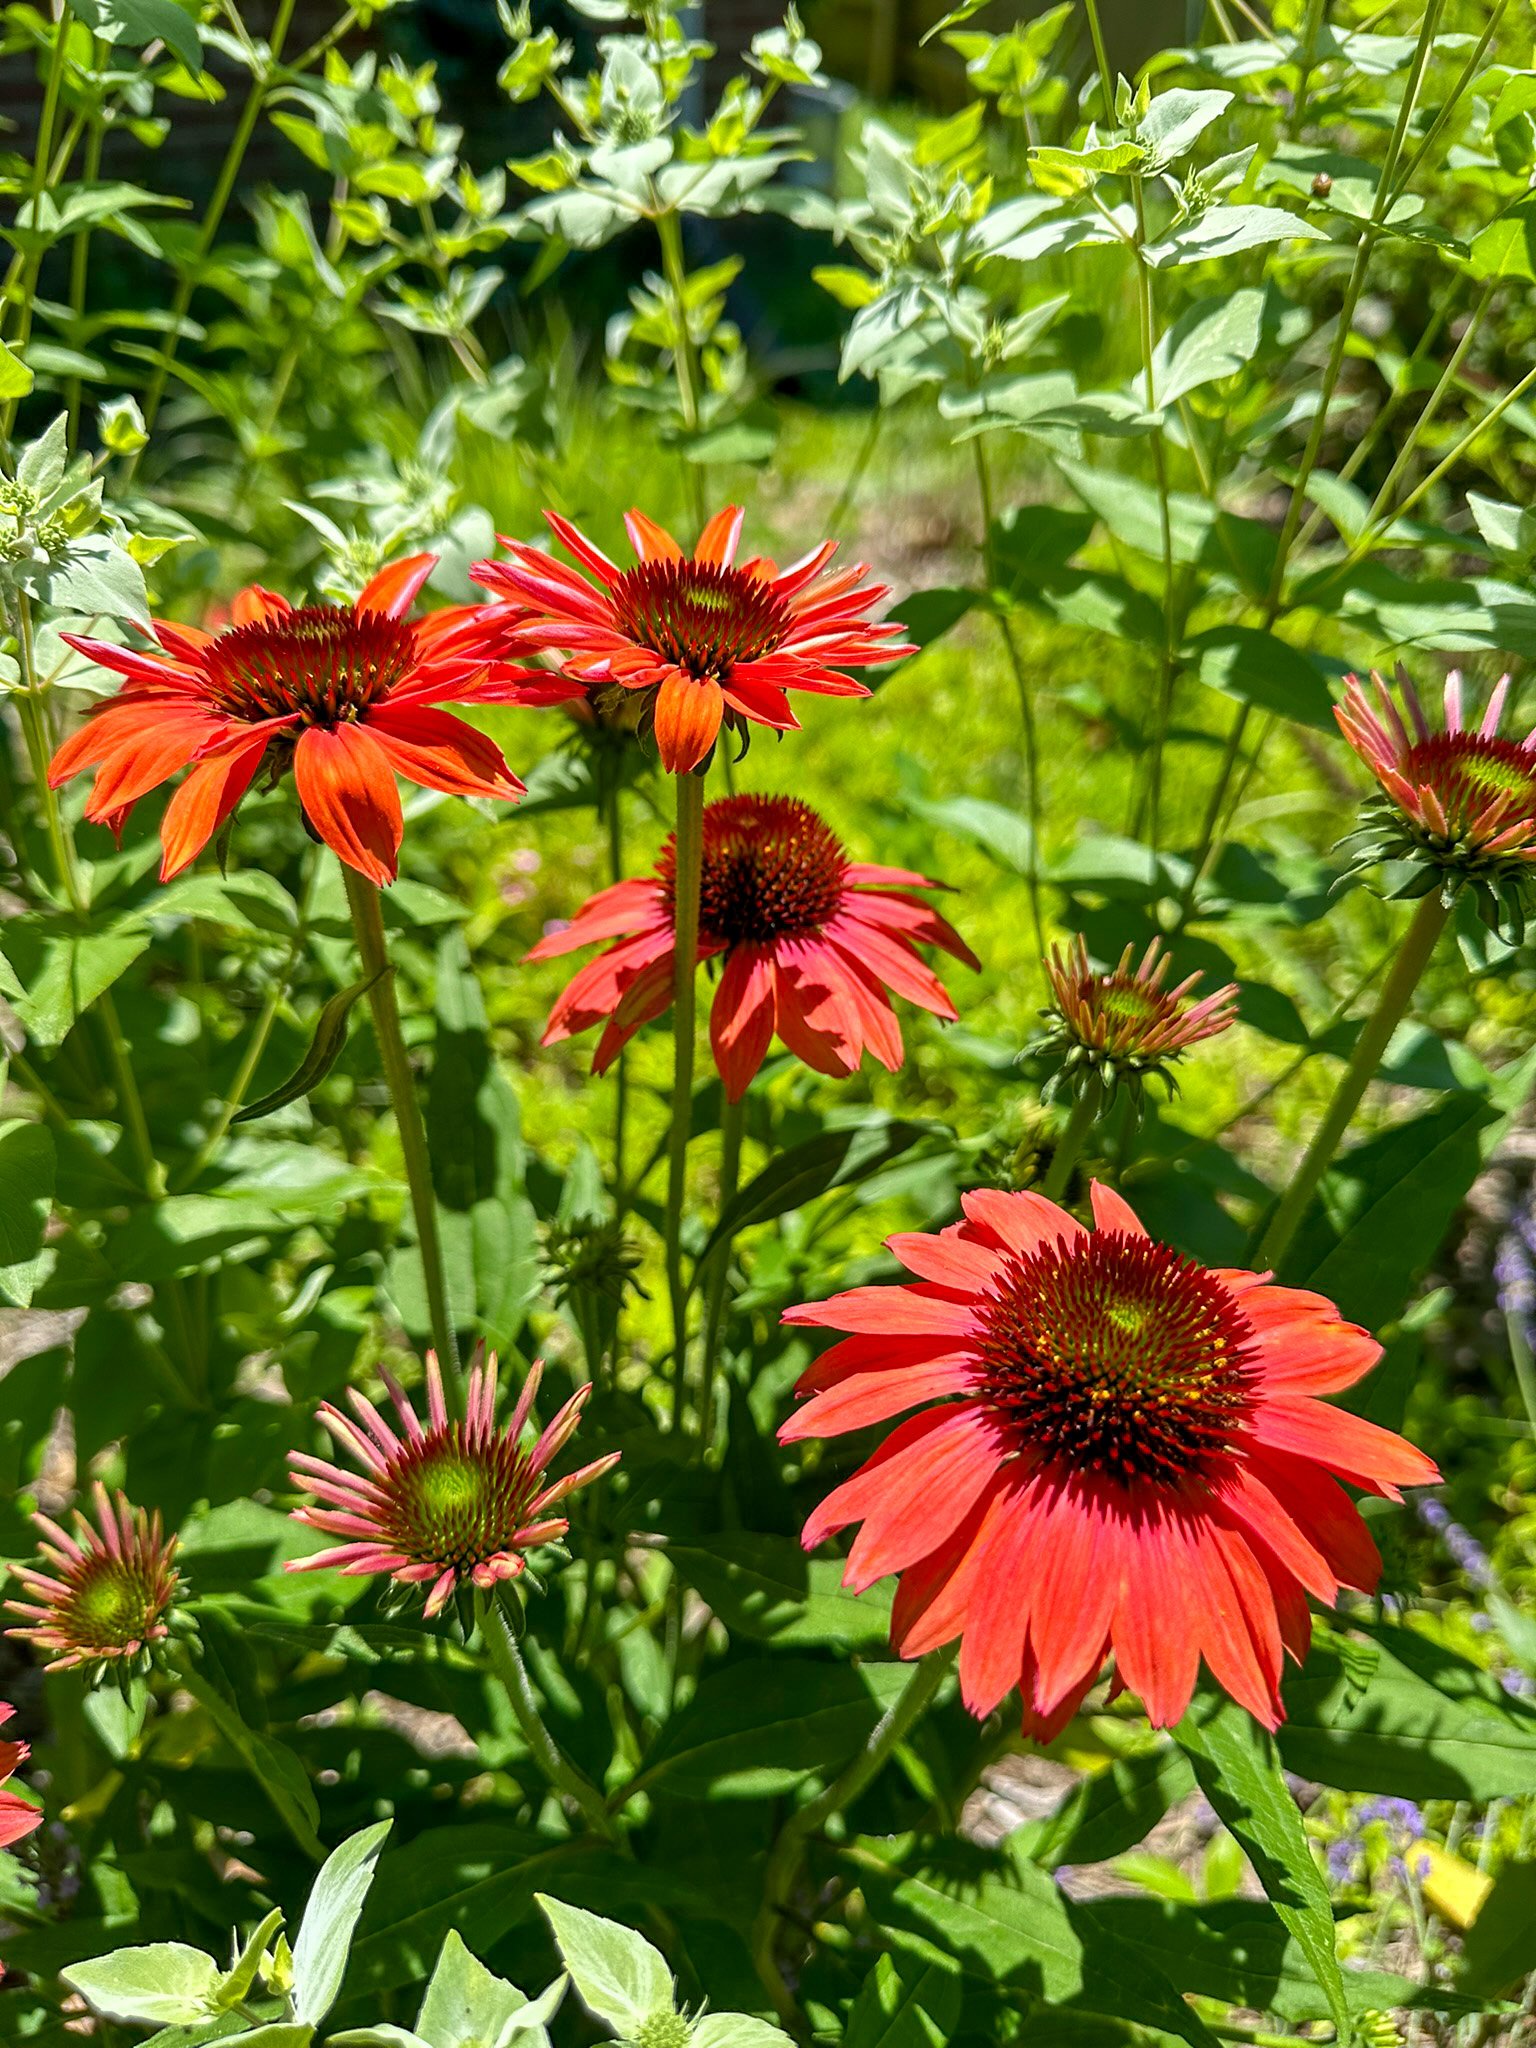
(1124, 1028)
(443, 1504)
(101, 1596)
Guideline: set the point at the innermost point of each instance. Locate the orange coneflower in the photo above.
(1124, 1025)
(445, 1504)
(1128, 1459)
(810, 942)
(344, 695)
(711, 642)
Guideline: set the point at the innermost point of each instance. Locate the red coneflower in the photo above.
(447, 1505)
(1125, 1026)
(713, 643)
(1131, 1461)
(18, 1816)
(1460, 802)
(344, 695)
(811, 942)
(103, 1594)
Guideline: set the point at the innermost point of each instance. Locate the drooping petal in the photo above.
(347, 787)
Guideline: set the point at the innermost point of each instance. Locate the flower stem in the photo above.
(787, 1856)
(688, 870)
(614, 818)
(732, 1119)
(1396, 994)
(1085, 1113)
(669, 231)
(562, 1774)
(368, 925)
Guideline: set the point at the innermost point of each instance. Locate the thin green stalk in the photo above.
(368, 925)
(1391, 1005)
(41, 170)
(562, 1774)
(80, 249)
(688, 872)
(1101, 58)
(1085, 1112)
(1001, 613)
(223, 192)
(1164, 713)
(732, 1121)
(861, 461)
(670, 232)
(787, 1856)
(1381, 504)
(1369, 535)
(614, 813)
(1525, 1366)
(1314, 21)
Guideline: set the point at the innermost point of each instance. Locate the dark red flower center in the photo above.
(453, 1499)
(327, 662)
(113, 1603)
(705, 618)
(772, 869)
(1112, 1355)
(1469, 774)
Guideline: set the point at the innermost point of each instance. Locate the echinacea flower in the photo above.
(102, 1595)
(711, 642)
(1124, 1026)
(810, 943)
(346, 696)
(448, 1505)
(1127, 1459)
(18, 1816)
(1458, 804)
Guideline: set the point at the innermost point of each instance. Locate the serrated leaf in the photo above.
(1240, 1774)
(165, 1984)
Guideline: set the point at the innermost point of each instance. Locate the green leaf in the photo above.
(71, 972)
(836, 1159)
(1217, 337)
(270, 1762)
(166, 1984)
(1226, 231)
(736, 2030)
(1260, 668)
(760, 1727)
(618, 1975)
(325, 1933)
(1500, 1946)
(137, 22)
(235, 1985)
(324, 1051)
(993, 827)
(765, 1587)
(1235, 1950)
(926, 615)
(1175, 121)
(1109, 1812)
(1016, 1932)
(1240, 1774)
(1397, 1714)
(1384, 1208)
(15, 378)
(466, 2006)
(27, 1168)
(918, 2007)
(1507, 246)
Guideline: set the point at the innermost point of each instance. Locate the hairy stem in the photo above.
(1391, 1005)
(787, 1856)
(732, 1119)
(1027, 725)
(1085, 1113)
(689, 870)
(562, 1774)
(368, 925)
